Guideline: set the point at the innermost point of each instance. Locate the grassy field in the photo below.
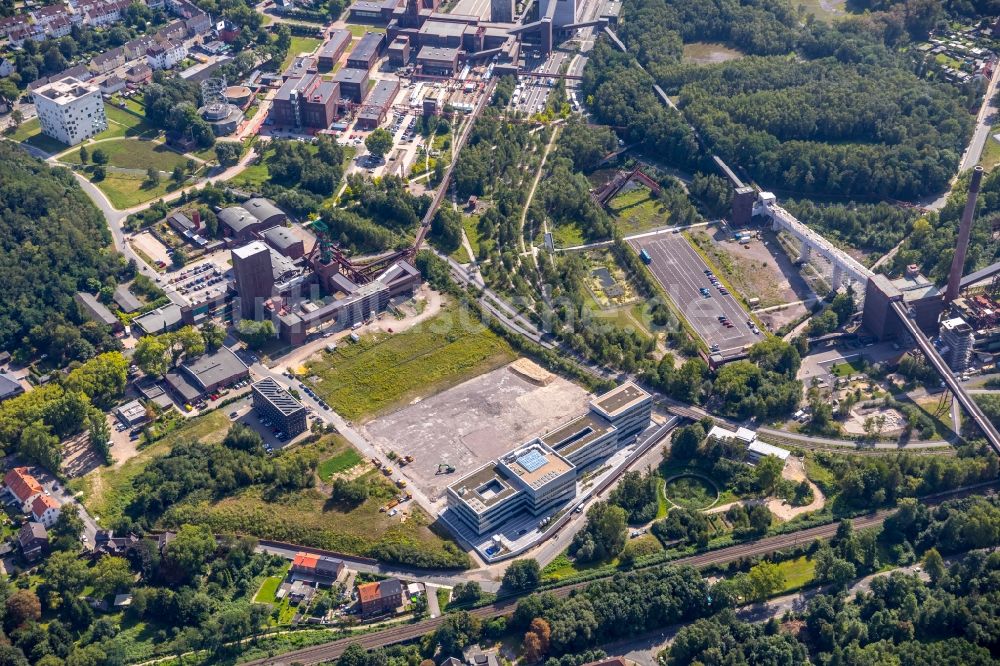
(567, 235)
(385, 370)
(470, 223)
(341, 462)
(126, 123)
(125, 191)
(824, 10)
(360, 30)
(849, 367)
(991, 154)
(133, 154)
(311, 518)
(30, 132)
(299, 45)
(108, 490)
(798, 573)
(636, 211)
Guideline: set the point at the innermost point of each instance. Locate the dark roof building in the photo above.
(196, 379)
(160, 320)
(93, 309)
(9, 387)
(317, 566)
(438, 61)
(377, 106)
(126, 300)
(285, 241)
(307, 101)
(332, 49)
(272, 401)
(367, 51)
(382, 597)
(33, 540)
(354, 84)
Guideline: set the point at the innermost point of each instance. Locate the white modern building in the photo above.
(70, 111)
(957, 341)
(540, 476)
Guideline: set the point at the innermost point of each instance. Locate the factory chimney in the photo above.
(964, 230)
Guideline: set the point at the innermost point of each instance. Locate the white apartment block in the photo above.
(70, 111)
(164, 55)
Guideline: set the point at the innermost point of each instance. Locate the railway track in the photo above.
(401, 634)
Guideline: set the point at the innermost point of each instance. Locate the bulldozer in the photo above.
(445, 468)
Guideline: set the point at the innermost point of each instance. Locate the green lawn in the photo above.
(798, 573)
(360, 30)
(564, 567)
(341, 462)
(26, 130)
(849, 367)
(126, 123)
(443, 597)
(990, 157)
(268, 590)
(384, 370)
(108, 490)
(471, 225)
(299, 45)
(636, 210)
(30, 132)
(125, 191)
(133, 154)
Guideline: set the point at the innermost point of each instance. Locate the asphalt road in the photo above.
(681, 272)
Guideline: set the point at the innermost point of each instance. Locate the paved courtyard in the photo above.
(473, 423)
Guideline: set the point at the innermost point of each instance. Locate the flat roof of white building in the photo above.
(764, 449)
(66, 90)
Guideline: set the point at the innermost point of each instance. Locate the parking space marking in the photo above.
(681, 272)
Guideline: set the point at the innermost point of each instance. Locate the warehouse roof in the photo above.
(436, 54)
(276, 394)
(335, 43)
(215, 367)
(443, 29)
(350, 75)
(368, 46)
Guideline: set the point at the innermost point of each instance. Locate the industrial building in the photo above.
(541, 475)
(399, 51)
(373, 10)
(69, 110)
(376, 107)
(246, 222)
(254, 277)
(331, 50)
(285, 241)
(354, 84)
(94, 310)
(307, 101)
(197, 378)
(957, 340)
(502, 11)
(273, 402)
(437, 61)
(367, 51)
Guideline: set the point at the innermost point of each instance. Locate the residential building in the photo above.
(384, 596)
(164, 55)
(199, 377)
(45, 510)
(33, 540)
(9, 387)
(273, 402)
(70, 111)
(22, 487)
(541, 475)
(328, 569)
(108, 61)
(139, 74)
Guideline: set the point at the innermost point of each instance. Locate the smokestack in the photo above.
(964, 229)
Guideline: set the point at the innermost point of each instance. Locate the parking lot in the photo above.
(682, 273)
(200, 282)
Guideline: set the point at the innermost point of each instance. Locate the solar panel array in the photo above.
(532, 460)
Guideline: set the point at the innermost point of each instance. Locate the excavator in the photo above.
(445, 468)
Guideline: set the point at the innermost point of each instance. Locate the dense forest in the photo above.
(53, 243)
(812, 109)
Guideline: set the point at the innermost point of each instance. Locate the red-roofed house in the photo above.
(384, 596)
(45, 510)
(317, 566)
(22, 486)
